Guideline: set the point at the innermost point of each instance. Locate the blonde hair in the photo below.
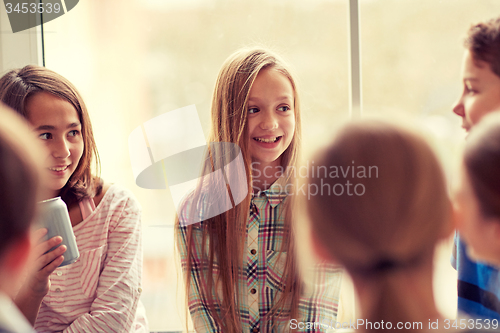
(229, 124)
(393, 220)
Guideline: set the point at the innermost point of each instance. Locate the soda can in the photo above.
(54, 216)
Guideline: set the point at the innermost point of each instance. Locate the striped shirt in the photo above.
(259, 285)
(478, 285)
(100, 291)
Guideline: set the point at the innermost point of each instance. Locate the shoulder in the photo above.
(98, 198)
(121, 210)
(202, 204)
(190, 208)
(114, 197)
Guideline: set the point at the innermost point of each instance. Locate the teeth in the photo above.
(59, 169)
(267, 140)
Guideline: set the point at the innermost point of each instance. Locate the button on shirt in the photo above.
(264, 264)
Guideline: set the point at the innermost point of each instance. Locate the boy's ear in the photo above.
(17, 253)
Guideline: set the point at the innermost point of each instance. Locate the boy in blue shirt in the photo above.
(478, 284)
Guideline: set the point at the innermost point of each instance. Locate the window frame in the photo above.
(21, 48)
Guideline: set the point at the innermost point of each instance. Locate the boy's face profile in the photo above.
(481, 91)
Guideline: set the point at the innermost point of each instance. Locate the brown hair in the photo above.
(18, 85)
(19, 177)
(223, 236)
(482, 163)
(483, 40)
(395, 213)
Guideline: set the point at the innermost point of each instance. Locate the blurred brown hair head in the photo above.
(19, 177)
(393, 220)
(483, 40)
(18, 85)
(482, 163)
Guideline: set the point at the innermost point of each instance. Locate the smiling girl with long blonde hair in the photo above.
(240, 268)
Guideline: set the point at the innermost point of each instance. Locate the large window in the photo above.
(135, 59)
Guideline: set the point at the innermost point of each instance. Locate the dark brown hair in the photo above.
(482, 163)
(19, 177)
(395, 213)
(483, 40)
(18, 85)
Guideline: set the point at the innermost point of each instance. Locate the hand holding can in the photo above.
(55, 218)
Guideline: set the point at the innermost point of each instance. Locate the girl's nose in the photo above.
(61, 149)
(269, 122)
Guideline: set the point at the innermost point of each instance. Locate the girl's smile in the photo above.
(268, 141)
(271, 117)
(59, 171)
(57, 123)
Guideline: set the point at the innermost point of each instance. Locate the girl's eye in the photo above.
(284, 108)
(253, 110)
(74, 133)
(45, 136)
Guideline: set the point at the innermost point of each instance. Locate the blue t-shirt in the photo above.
(478, 285)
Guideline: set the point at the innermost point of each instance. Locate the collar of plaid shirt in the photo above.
(275, 193)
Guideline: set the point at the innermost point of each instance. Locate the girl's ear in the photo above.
(320, 251)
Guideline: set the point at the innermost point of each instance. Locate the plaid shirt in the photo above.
(264, 261)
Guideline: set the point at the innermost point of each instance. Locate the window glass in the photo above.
(411, 55)
(133, 60)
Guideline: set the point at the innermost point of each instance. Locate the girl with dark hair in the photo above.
(100, 291)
